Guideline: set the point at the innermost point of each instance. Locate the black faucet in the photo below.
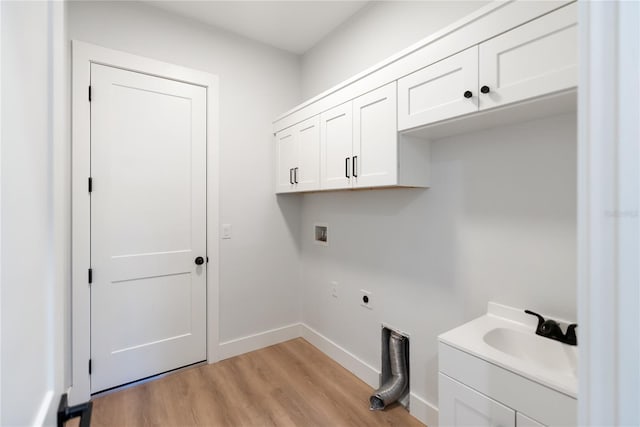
(549, 328)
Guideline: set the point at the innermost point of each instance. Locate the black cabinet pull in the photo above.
(355, 166)
(295, 175)
(199, 260)
(346, 167)
(485, 89)
(291, 176)
(468, 94)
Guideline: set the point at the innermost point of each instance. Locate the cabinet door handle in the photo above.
(468, 94)
(355, 166)
(346, 167)
(485, 89)
(291, 176)
(295, 175)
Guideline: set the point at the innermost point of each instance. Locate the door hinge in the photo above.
(89, 93)
(89, 366)
(90, 184)
(90, 275)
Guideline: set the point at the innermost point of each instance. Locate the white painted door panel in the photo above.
(148, 224)
(308, 140)
(463, 406)
(336, 142)
(286, 159)
(524, 421)
(437, 91)
(535, 59)
(375, 145)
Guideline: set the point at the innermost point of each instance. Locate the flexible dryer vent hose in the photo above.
(396, 385)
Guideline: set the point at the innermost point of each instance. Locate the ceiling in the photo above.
(294, 26)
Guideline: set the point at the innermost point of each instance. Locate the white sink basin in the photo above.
(506, 337)
(531, 348)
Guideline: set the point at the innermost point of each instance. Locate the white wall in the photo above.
(259, 265)
(378, 31)
(498, 224)
(33, 287)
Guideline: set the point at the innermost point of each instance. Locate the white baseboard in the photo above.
(44, 409)
(348, 360)
(424, 411)
(257, 341)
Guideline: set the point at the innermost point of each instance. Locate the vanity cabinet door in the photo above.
(463, 406)
(336, 147)
(375, 138)
(446, 89)
(535, 59)
(286, 160)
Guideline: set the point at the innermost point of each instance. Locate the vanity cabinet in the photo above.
(463, 406)
(359, 142)
(475, 392)
(534, 59)
(297, 151)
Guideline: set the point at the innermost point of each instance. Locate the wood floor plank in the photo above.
(289, 384)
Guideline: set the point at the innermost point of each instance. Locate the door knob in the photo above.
(199, 260)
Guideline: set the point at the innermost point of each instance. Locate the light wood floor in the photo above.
(289, 384)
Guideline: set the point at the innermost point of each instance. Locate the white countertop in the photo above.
(506, 337)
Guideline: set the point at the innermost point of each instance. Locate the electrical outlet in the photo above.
(366, 299)
(334, 289)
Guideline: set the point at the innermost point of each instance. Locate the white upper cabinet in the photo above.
(297, 152)
(375, 147)
(307, 174)
(534, 59)
(336, 147)
(371, 131)
(360, 147)
(446, 89)
(286, 157)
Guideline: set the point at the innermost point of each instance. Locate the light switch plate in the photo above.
(226, 231)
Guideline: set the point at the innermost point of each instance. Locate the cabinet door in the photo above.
(535, 59)
(438, 91)
(307, 174)
(336, 137)
(524, 421)
(375, 138)
(286, 159)
(463, 406)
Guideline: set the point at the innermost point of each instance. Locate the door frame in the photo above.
(608, 212)
(83, 55)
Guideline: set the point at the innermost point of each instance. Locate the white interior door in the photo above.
(148, 225)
